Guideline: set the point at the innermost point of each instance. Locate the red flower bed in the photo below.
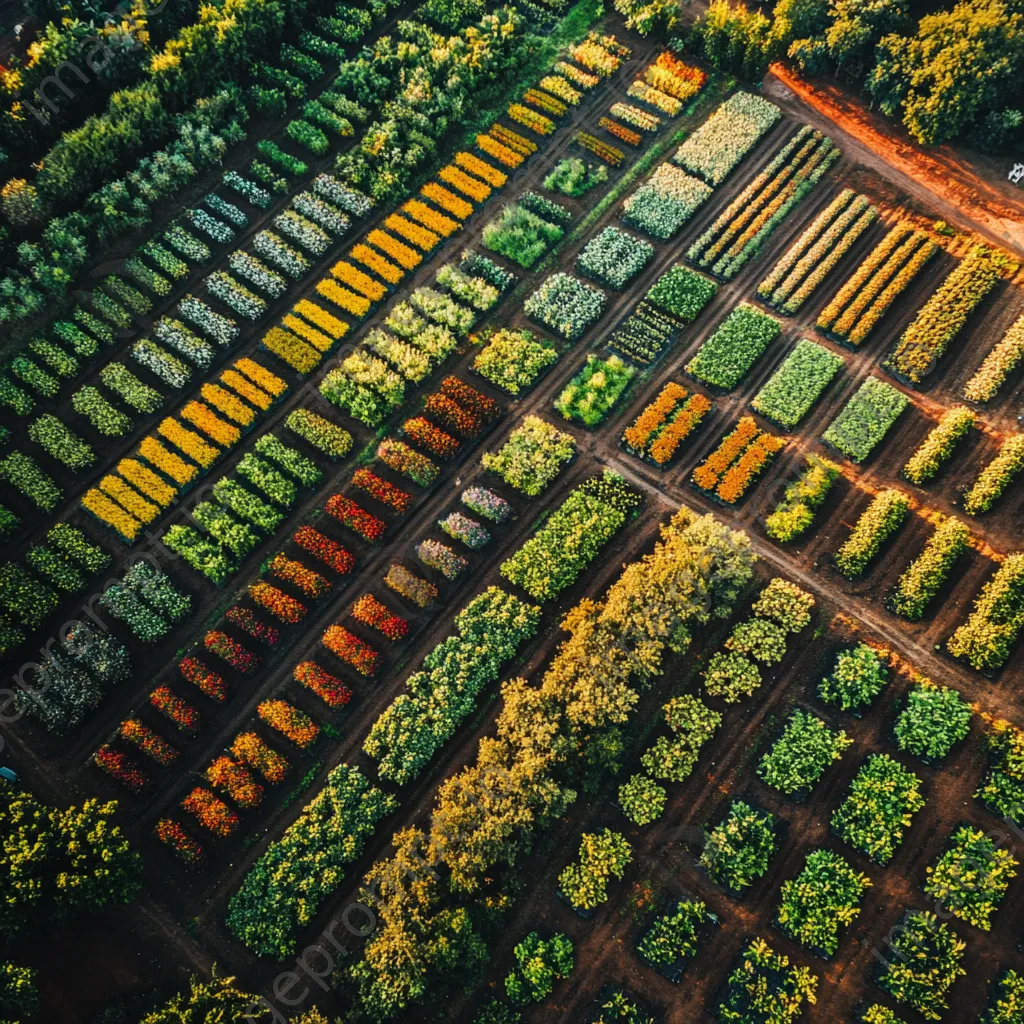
(176, 710)
(311, 583)
(195, 672)
(237, 656)
(277, 602)
(119, 766)
(373, 613)
(245, 619)
(330, 552)
(349, 514)
(289, 721)
(424, 433)
(330, 689)
(231, 778)
(384, 492)
(253, 751)
(211, 812)
(363, 658)
(469, 398)
(152, 745)
(450, 414)
(183, 845)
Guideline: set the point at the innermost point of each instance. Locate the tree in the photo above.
(206, 1002)
(799, 19)
(19, 996)
(538, 963)
(416, 940)
(735, 40)
(20, 202)
(998, 131)
(56, 862)
(962, 66)
(647, 16)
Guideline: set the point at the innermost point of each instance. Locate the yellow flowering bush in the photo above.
(111, 514)
(202, 416)
(398, 251)
(245, 387)
(260, 375)
(448, 201)
(383, 268)
(147, 482)
(358, 281)
(174, 466)
(430, 218)
(319, 317)
(291, 350)
(481, 169)
(505, 156)
(230, 405)
(129, 499)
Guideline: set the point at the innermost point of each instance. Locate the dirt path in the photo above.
(941, 177)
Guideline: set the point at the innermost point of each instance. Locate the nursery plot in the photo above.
(724, 359)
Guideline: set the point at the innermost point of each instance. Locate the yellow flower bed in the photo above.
(419, 236)
(531, 119)
(319, 317)
(270, 382)
(231, 406)
(383, 268)
(144, 480)
(129, 499)
(358, 281)
(430, 218)
(357, 305)
(481, 169)
(292, 350)
(472, 187)
(507, 137)
(111, 514)
(174, 466)
(320, 341)
(500, 152)
(448, 201)
(245, 387)
(398, 251)
(188, 442)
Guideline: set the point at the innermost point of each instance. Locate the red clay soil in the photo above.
(939, 175)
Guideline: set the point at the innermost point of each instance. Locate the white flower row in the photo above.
(216, 229)
(234, 294)
(323, 213)
(231, 213)
(312, 238)
(257, 273)
(349, 199)
(219, 328)
(277, 251)
(249, 189)
(171, 370)
(176, 335)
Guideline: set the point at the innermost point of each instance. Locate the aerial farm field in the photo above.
(525, 502)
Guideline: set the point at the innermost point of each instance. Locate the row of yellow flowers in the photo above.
(171, 458)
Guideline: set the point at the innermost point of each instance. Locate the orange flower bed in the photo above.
(678, 79)
(358, 281)
(350, 649)
(188, 442)
(228, 404)
(481, 169)
(357, 305)
(261, 376)
(281, 605)
(111, 514)
(628, 136)
(156, 454)
(448, 201)
(708, 473)
(312, 335)
(330, 689)
(371, 612)
(202, 416)
(310, 582)
(503, 154)
(289, 721)
(751, 463)
(654, 416)
(687, 421)
(129, 499)
(253, 751)
(211, 812)
(398, 251)
(411, 232)
(384, 269)
(520, 143)
(231, 778)
(601, 149)
(430, 218)
(245, 387)
(542, 101)
(467, 185)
